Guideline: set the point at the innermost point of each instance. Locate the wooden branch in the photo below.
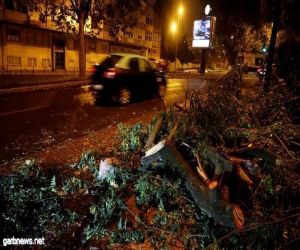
(209, 201)
(243, 175)
(257, 225)
(153, 134)
(172, 133)
(236, 160)
(285, 148)
(202, 174)
(250, 152)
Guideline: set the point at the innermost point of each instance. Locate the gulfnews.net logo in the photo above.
(23, 241)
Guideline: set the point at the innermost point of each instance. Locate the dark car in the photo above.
(261, 71)
(122, 77)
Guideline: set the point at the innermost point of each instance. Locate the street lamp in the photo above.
(180, 11)
(173, 27)
(173, 30)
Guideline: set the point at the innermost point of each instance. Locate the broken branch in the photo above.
(207, 200)
(153, 133)
(285, 148)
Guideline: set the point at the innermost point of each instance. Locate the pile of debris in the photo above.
(237, 157)
(222, 170)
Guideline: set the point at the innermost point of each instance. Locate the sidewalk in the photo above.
(25, 89)
(102, 141)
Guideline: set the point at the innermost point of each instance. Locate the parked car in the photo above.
(122, 77)
(261, 71)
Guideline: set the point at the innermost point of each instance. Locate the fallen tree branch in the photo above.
(172, 133)
(251, 152)
(256, 225)
(153, 133)
(285, 148)
(209, 201)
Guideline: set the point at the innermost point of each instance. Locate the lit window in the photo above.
(13, 60)
(46, 63)
(148, 36)
(31, 62)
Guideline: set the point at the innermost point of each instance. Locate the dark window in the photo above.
(13, 35)
(111, 61)
(134, 64)
(149, 20)
(258, 61)
(59, 60)
(31, 37)
(45, 39)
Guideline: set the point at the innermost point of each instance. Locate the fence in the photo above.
(17, 79)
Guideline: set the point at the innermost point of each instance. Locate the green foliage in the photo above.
(29, 203)
(131, 137)
(127, 236)
(87, 160)
(267, 184)
(234, 136)
(74, 185)
(108, 205)
(155, 191)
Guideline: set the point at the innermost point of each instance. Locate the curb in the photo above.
(31, 88)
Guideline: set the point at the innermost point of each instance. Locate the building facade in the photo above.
(28, 45)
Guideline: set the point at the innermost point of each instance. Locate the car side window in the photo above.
(134, 64)
(145, 66)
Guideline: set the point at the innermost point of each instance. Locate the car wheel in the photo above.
(124, 96)
(161, 90)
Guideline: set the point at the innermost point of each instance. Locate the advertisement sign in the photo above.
(203, 32)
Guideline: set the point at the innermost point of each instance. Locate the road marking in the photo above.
(24, 110)
(86, 98)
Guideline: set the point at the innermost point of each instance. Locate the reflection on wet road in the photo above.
(33, 121)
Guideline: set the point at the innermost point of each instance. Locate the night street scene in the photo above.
(149, 124)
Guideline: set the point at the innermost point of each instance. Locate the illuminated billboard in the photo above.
(203, 32)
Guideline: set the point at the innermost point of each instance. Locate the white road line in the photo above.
(24, 110)
(86, 98)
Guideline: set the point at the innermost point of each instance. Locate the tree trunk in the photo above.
(209, 201)
(81, 52)
(276, 21)
(203, 61)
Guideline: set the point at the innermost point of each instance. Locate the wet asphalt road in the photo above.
(31, 122)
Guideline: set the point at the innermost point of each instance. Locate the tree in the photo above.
(234, 19)
(72, 16)
(285, 19)
(184, 54)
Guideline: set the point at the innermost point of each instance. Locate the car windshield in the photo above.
(111, 61)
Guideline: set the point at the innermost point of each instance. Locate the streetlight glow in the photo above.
(174, 27)
(180, 10)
